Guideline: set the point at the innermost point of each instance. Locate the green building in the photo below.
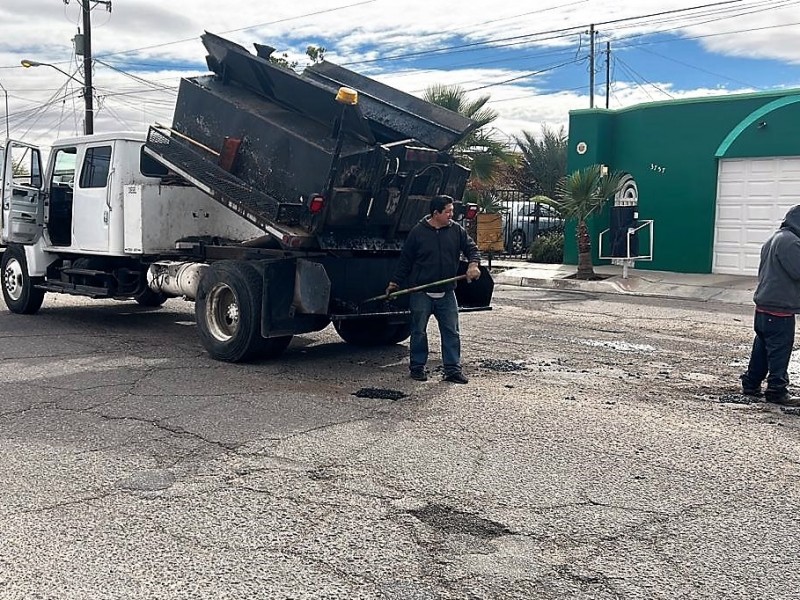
(714, 175)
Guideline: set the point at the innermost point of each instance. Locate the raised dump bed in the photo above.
(312, 172)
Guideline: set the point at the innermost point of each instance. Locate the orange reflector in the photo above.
(317, 204)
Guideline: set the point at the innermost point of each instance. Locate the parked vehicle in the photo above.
(523, 221)
(277, 202)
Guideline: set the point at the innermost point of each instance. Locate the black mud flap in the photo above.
(295, 297)
(476, 294)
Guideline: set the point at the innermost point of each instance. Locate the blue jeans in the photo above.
(445, 310)
(772, 349)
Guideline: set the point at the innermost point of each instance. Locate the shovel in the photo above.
(418, 288)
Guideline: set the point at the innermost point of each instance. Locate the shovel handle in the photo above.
(417, 288)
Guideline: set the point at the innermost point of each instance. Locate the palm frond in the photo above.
(479, 151)
(585, 191)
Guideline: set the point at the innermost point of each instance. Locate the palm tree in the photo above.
(543, 161)
(580, 194)
(485, 156)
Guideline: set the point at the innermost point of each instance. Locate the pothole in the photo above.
(380, 394)
(737, 399)
(151, 480)
(451, 521)
(321, 473)
(504, 366)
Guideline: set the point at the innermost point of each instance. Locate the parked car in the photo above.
(523, 221)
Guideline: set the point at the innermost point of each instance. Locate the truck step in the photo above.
(75, 289)
(84, 272)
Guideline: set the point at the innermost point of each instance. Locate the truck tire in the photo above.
(19, 293)
(228, 311)
(371, 332)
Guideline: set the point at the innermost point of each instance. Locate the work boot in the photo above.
(419, 375)
(783, 398)
(748, 389)
(456, 378)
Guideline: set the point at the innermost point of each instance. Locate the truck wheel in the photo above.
(371, 332)
(148, 297)
(400, 334)
(18, 291)
(228, 311)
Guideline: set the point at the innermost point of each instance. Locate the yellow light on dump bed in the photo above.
(347, 95)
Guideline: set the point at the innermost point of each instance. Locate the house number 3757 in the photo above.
(658, 168)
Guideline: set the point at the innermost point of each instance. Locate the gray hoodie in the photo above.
(779, 271)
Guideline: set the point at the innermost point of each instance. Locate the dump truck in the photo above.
(276, 201)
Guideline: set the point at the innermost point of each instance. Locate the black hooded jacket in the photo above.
(778, 287)
(431, 254)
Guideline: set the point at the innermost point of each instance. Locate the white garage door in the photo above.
(753, 196)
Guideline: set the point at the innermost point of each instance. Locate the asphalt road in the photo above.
(599, 451)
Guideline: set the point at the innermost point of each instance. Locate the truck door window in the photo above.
(26, 166)
(96, 164)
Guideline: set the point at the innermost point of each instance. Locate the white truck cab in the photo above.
(96, 217)
(102, 195)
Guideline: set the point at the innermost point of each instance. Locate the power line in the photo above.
(635, 74)
(695, 67)
(193, 39)
(529, 36)
(526, 75)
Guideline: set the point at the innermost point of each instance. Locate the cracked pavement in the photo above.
(598, 452)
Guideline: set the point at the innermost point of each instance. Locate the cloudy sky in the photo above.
(532, 58)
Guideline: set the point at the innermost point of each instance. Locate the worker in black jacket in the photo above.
(432, 252)
(777, 299)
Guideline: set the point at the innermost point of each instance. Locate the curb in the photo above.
(634, 286)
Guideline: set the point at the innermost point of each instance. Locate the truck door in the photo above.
(91, 204)
(23, 202)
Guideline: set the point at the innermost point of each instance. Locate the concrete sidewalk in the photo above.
(735, 289)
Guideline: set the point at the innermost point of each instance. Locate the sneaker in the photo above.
(419, 375)
(783, 399)
(456, 378)
(755, 393)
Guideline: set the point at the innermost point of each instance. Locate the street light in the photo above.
(6, 95)
(88, 123)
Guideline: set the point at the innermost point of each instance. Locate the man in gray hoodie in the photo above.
(777, 299)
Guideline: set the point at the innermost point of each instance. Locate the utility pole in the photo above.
(88, 89)
(591, 65)
(608, 71)
(88, 123)
(6, 95)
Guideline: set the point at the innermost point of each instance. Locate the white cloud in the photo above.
(168, 33)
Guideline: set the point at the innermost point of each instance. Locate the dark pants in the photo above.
(445, 310)
(772, 349)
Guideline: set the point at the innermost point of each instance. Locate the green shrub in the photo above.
(548, 248)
